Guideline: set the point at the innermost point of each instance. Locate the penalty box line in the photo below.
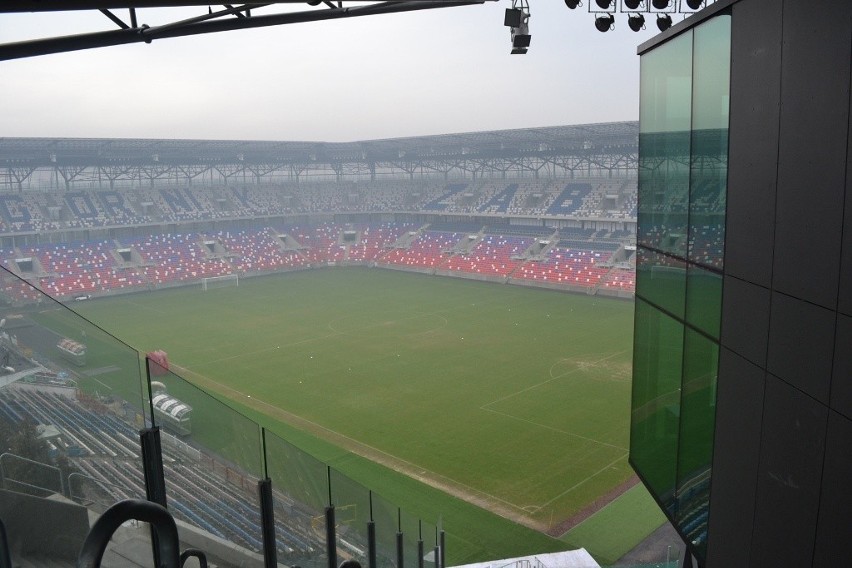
(546, 427)
(550, 380)
(334, 333)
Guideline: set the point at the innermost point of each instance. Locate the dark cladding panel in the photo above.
(789, 476)
(739, 399)
(745, 319)
(753, 146)
(835, 520)
(812, 150)
(841, 382)
(801, 344)
(844, 299)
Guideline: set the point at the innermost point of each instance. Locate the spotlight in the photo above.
(605, 23)
(512, 18)
(694, 4)
(604, 4)
(520, 39)
(664, 22)
(636, 22)
(517, 19)
(572, 4)
(632, 4)
(660, 4)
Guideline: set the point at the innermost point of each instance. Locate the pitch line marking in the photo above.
(328, 336)
(550, 380)
(578, 484)
(546, 427)
(356, 443)
(330, 324)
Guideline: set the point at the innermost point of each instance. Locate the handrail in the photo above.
(195, 553)
(157, 516)
(5, 553)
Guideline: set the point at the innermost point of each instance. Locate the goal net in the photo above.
(225, 281)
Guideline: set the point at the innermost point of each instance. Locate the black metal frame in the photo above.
(230, 18)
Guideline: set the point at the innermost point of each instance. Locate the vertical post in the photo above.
(419, 544)
(441, 545)
(400, 555)
(371, 537)
(330, 530)
(267, 521)
(152, 465)
(155, 481)
(437, 549)
(5, 553)
(330, 537)
(400, 558)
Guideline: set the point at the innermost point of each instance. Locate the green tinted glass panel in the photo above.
(664, 140)
(300, 494)
(351, 514)
(704, 300)
(186, 411)
(695, 453)
(655, 404)
(212, 483)
(411, 528)
(71, 407)
(709, 147)
(661, 279)
(386, 515)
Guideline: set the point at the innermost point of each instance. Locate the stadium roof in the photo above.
(616, 137)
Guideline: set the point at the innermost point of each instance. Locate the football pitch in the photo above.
(512, 398)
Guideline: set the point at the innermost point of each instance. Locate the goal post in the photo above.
(225, 281)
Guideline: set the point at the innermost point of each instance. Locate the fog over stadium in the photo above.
(431, 72)
(377, 268)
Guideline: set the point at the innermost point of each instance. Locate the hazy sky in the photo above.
(427, 72)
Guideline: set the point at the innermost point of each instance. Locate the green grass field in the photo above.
(512, 398)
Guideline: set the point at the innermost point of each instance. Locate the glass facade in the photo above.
(683, 152)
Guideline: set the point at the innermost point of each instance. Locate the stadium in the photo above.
(233, 229)
(535, 344)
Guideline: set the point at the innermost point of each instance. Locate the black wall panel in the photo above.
(739, 400)
(815, 67)
(801, 345)
(841, 381)
(745, 319)
(753, 150)
(789, 476)
(835, 520)
(844, 299)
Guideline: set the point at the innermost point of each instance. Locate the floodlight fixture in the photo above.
(632, 4)
(636, 22)
(605, 23)
(513, 17)
(660, 4)
(664, 22)
(572, 4)
(603, 4)
(694, 4)
(517, 20)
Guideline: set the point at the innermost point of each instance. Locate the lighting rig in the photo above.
(636, 10)
(517, 20)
